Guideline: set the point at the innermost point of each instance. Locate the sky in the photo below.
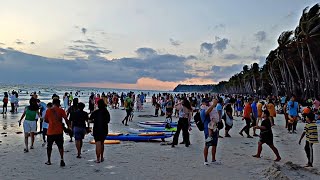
(138, 44)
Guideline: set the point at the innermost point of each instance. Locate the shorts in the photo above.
(267, 140)
(78, 133)
(128, 112)
(214, 141)
(5, 105)
(227, 127)
(169, 110)
(58, 139)
(29, 126)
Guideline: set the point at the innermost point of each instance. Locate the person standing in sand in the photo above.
(79, 119)
(55, 130)
(266, 136)
(247, 117)
(185, 115)
(30, 123)
(129, 108)
(101, 118)
(205, 111)
(293, 109)
(254, 115)
(5, 103)
(66, 101)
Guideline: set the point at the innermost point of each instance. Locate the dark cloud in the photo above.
(84, 30)
(231, 56)
(209, 48)
(261, 36)
(146, 52)
(19, 42)
(94, 68)
(174, 42)
(90, 50)
(88, 41)
(220, 73)
(32, 43)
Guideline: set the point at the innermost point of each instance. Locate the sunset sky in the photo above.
(138, 44)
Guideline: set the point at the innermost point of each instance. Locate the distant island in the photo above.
(200, 88)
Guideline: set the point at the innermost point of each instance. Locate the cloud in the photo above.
(209, 48)
(164, 67)
(84, 30)
(146, 52)
(231, 56)
(19, 42)
(220, 73)
(2, 43)
(218, 26)
(174, 42)
(256, 49)
(89, 50)
(88, 41)
(261, 36)
(32, 43)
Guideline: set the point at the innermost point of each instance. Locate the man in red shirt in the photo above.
(247, 116)
(55, 131)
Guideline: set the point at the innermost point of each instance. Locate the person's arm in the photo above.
(23, 115)
(302, 136)
(66, 119)
(214, 104)
(260, 127)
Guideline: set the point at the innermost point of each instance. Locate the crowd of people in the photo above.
(215, 112)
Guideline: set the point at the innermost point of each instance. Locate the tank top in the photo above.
(30, 115)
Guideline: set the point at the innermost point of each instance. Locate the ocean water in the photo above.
(46, 93)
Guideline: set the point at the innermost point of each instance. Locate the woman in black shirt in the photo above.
(101, 118)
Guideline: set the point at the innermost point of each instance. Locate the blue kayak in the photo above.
(138, 131)
(136, 137)
(157, 123)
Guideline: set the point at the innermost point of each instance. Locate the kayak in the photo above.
(153, 127)
(138, 131)
(107, 142)
(136, 137)
(158, 123)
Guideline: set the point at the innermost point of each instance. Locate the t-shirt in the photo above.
(79, 118)
(100, 118)
(266, 133)
(128, 103)
(259, 108)
(271, 110)
(283, 100)
(30, 115)
(254, 109)
(293, 111)
(54, 118)
(247, 111)
(311, 132)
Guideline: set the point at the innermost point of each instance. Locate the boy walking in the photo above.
(311, 133)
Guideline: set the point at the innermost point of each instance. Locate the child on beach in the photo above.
(45, 125)
(5, 103)
(214, 119)
(266, 136)
(311, 133)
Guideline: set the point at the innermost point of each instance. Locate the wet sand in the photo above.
(150, 160)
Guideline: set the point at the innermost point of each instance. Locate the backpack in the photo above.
(197, 120)
(125, 104)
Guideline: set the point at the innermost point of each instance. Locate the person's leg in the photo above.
(295, 125)
(44, 133)
(259, 150)
(289, 127)
(59, 142)
(176, 135)
(102, 151)
(276, 152)
(26, 137)
(98, 151)
(185, 133)
(32, 140)
(205, 153)
(49, 149)
(213, 152)
(78, 146)
(247, 130)
(307, 150)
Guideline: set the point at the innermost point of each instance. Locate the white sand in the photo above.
(131, 160)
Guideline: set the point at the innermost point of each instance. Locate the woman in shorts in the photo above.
(30, 123)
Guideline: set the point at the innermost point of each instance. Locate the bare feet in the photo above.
(102, 159)
(256, 156)
(278, 159)
(97, 161)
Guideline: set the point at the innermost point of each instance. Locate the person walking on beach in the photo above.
(91, 103)
(311, 133)
(206, 110)
(79, 119)
(185, 115)
(5, 101)
(254, 115)
(71, 110)
(54, 117)
(30, 123)
(12, 101)
(272, 110)
(101, 118)
(228, 119)
(129, 108)
(266, 136)
(293, 109)
(247, 117)
(44, 124)
(66, 101)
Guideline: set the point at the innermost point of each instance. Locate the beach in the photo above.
(150, 160)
